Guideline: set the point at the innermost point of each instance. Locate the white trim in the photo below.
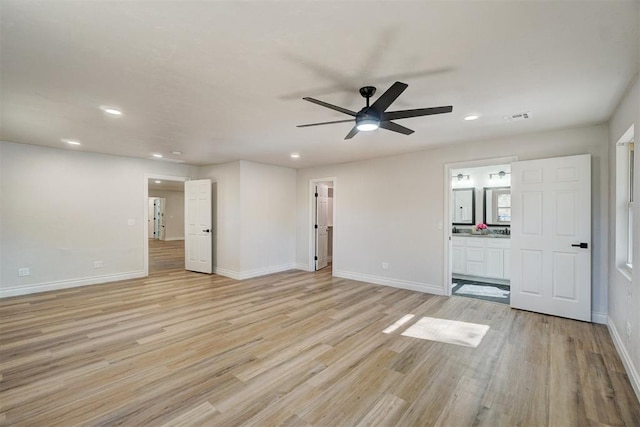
(302, 266)
(446, 228)
(66, 284)
(395, 283)
(243, 275)
(312, 237)
(266, 270)
(147, 177)
(599, 317)
(632, 372)
(173, 239)
(226, 273)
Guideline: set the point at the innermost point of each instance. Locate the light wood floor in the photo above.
(294, 348)
(165, 255)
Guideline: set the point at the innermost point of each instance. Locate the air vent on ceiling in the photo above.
(520, 116)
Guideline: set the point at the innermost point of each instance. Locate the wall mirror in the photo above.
(497, 205)
(464, 206)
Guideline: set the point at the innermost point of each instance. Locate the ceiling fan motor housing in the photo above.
(367, 91)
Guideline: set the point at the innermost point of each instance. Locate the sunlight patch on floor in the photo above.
(404, 319)
(447, 331)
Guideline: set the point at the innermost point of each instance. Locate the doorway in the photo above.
(477, 229)
(164, 233)
(322, 224)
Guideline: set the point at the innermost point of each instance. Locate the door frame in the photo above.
(147, 177)
(446, 229)
(311, 266)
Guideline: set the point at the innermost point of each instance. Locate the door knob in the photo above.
(580, 245)
(206, 231)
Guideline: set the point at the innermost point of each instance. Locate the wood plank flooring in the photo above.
(294, 349)
(165, 255)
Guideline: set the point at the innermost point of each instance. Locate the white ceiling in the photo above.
(222, 81)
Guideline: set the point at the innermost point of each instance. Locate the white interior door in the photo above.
(162, 230)
(551, 236)
(322, 228)
(151, 223)
(198, 226)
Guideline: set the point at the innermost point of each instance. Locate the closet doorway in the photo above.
(322, 209)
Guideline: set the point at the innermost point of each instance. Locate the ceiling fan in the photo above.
(375, 116)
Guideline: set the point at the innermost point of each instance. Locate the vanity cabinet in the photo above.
(481, 256)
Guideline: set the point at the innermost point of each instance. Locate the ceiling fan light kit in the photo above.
(375, 116)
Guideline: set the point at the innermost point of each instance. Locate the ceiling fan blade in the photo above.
(333, 107)
(352, 133)
(405, 114)
(396, 128)
(325, 123)
(388, 97)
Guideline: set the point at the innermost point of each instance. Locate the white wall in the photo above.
(173, 213)
(624, 294)
(268, 218)
(388, 209)
(226, 188)
(255, 219)
(62, 210)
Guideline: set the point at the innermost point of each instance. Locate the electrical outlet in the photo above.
(97, 264)
(385, 266)
(23, 272)
(628, 330)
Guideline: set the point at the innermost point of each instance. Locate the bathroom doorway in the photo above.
(478, 230)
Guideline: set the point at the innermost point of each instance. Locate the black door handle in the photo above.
(580, 245)
(206, 231)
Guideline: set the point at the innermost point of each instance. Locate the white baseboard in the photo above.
(226, 273)
(598, 317)
(632, 372)
(387, 281)
(302, 266)
(173, 238)
(243, 275)
(64, 284)
(266, 270)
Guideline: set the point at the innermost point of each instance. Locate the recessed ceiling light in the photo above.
(157, 156)
(472, 117)
(158, 182)
(111, 110)
(71, 142)
(176, 152)
(295, 155)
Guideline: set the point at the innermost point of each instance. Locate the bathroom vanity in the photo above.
(481, 256)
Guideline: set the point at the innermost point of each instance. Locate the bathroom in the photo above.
(480, 226)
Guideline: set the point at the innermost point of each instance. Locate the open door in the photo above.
(198, 226)
(551, 236)
(162, 230)
(321, 226)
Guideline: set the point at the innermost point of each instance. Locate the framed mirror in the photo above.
(464, 206)
(497, 206)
